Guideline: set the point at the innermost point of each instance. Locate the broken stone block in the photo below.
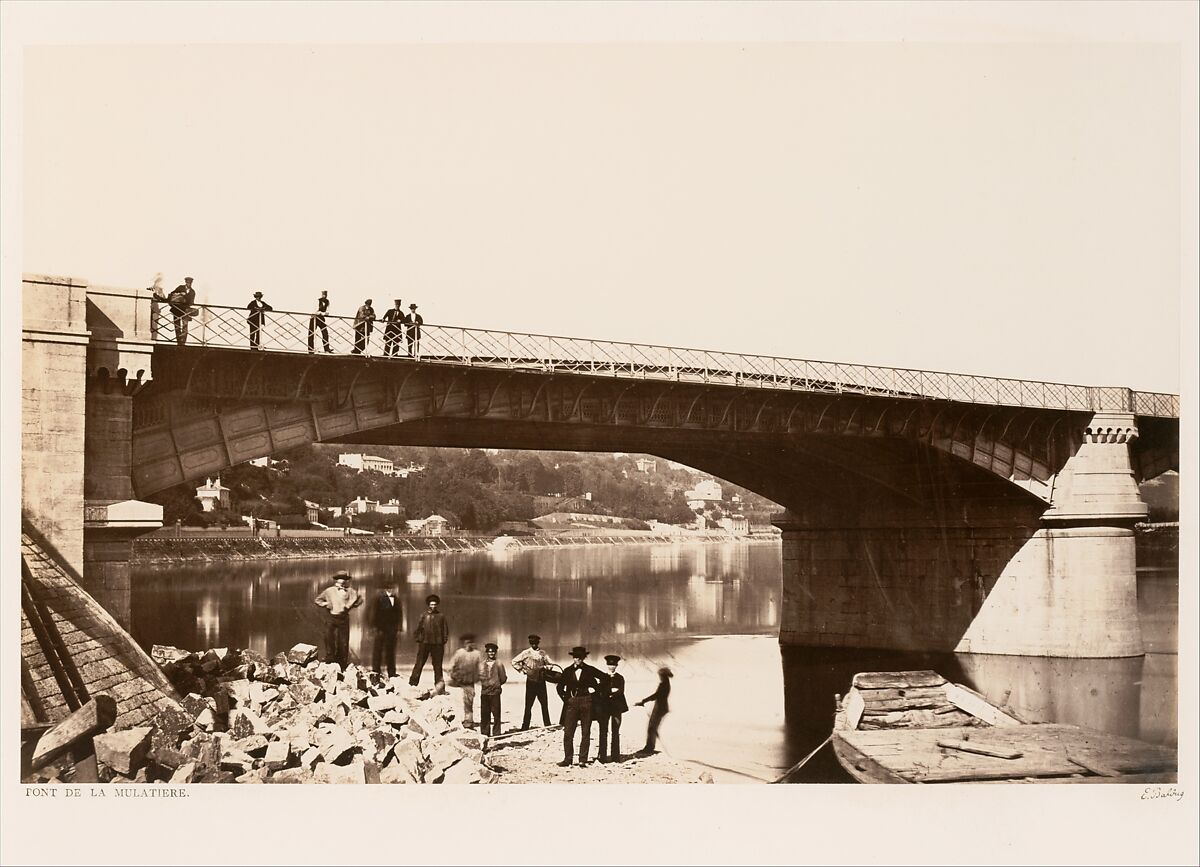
(277, 756)
(470, 740)
(487, 775)
(440, 755)
(164, 654)
(184, 773)
(310, 757)
(123, 751)
(261, 693)
(306, 691)
(407, 759)
(462, 773)
(334, 743)
(257, 775)
(215, 654)
(238, 690)
(327, 773)
(254, 745)
(353, 676)
(243, 723)
(302, 654)
(195, 704)
(291, 775)
(382, 703)
(236, 761)
(371, 773)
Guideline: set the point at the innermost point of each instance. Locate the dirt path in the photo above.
(533, 756)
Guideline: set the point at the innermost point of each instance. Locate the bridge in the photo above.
(924, 510)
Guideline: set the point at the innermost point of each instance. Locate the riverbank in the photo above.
(159, 550)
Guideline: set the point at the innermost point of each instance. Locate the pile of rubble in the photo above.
(288, 719)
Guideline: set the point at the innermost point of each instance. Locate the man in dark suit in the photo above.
(317, 321)
(256, 313)
(413, 322)
(385, 621)
(432, 633)
(393, 332)
(364, 322)
(579, 684)
(611, 704)
(180, 301)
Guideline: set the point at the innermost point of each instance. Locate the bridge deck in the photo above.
(292, 332)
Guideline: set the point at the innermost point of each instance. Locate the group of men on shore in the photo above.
(588, 694)
(401, 332)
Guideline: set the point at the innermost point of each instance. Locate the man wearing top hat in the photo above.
(432, 632)
(492, 678)
(393, 332)
(338, 601)
(532, 662)
(610, 705)
(257, 310)
(578, 687)
(414, 321)
(317, 322)
(385, 621)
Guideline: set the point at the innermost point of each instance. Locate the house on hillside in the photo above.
(391, 507)
(367, 463)
(739, 525)
(213, 495)
(705, 495)
(312, 511)
(645, 465)
(361, 506)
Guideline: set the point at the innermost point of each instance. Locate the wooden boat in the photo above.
(916, 727)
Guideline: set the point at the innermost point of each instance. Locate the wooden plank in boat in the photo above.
(978, 706)
(894, 694)
(979, 749)
(861, 766)
(897, 679)
(1045, 749)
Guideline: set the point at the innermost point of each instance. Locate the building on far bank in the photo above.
(366, 463)
(213, 495)
(705, 495)
(645, 465)
(434, 525)
(391, 507)
(312, 511)
(361, 506)
(739, 525)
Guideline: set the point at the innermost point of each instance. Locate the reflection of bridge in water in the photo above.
(926, 511)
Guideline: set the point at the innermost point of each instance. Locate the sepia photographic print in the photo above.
(632, 403)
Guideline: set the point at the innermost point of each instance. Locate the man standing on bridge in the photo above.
(257, 313)
(338, 601)
(414, 322)
(432, 633)
(318, 321)
(394, 330)
(364, 322)
(180, 301)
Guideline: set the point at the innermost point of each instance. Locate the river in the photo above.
(740, 705)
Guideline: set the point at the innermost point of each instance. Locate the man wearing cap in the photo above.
(492, 678)
(531, 662)
(393, 333)
(385, 620)
(257, 313)
(338, 601)
(364, 322)
(579, 685)
(413, 321)
(180, 301)
(432, 632)
(317, 321)
(464, 674)
(611, 705)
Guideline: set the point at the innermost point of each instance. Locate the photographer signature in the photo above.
(1154, 793)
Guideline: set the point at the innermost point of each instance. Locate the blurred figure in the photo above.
(414, 321)
(338, 601)
(660, 709)
(385, 621)
(531, 662)
(364, 323)
(317, 321)
(180, 301)
(464, 674)
(492, 678)
(611, 705)
(394, 329)
(158, 299)
(256, 315)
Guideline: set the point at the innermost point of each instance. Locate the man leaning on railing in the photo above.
(318, 321)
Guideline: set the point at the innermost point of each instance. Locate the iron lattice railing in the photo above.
(282, 331)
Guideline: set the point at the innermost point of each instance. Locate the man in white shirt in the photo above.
(532, 662)
(338, 601)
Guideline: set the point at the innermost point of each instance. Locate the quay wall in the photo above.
(160, 550)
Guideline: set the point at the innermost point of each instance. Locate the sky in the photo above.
(1000, 209)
